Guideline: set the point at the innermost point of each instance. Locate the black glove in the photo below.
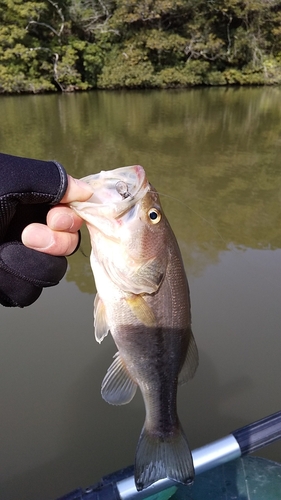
(27, 189)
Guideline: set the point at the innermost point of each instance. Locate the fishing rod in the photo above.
(120, 485)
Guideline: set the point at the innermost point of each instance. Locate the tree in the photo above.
(68, 45)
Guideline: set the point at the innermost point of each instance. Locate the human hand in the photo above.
(61, 234)
(28, 189)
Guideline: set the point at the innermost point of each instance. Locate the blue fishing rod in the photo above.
(120, 485)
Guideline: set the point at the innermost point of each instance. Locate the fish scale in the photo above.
(143, 300)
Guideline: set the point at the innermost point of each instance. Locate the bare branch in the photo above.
(48, 26)
(59, 11)
(92, 15)
(43, 24)
(56, 76)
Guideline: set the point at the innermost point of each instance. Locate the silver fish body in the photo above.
(143, 300)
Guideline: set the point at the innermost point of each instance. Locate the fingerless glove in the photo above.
(28, 188)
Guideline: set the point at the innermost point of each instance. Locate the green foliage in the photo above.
(129, 68)
(81, 44)
(192, 73)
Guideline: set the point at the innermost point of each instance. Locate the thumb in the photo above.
(77, 190)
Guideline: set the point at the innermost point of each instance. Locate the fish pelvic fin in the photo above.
(100, 322)
(159, 457)
(118, 388)
(191, 361)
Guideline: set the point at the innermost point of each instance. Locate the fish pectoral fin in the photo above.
(135, 278)
(118, 388)
(141, 310)
(151, 274)
(191, 361)
(100, 322)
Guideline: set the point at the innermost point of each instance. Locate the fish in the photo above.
(143, 300)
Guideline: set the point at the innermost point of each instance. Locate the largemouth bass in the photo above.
(143, 300)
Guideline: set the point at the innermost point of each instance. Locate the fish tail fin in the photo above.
(158, 457)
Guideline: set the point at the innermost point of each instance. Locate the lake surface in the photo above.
(214, 154)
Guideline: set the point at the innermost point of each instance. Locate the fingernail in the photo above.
(61, 222)
(83, 185)
(38, 238)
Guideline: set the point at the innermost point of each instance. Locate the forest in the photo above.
(73, 45)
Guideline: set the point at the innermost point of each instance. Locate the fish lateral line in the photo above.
(142, 291)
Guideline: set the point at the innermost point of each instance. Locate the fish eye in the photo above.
(154, 215)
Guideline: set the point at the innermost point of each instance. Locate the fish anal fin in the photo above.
(100, 321)
(191, 361)
(118, 388)
(158, 458)
(141, 310)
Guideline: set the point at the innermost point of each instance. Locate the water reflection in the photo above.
(214, 156)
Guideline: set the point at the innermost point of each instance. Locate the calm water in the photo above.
(215, 155)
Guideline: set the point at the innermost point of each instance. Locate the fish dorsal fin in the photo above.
(118, 388)
(100, 321)
(191, 361)
(141, 310)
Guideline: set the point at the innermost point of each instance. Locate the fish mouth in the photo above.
(115, 191)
